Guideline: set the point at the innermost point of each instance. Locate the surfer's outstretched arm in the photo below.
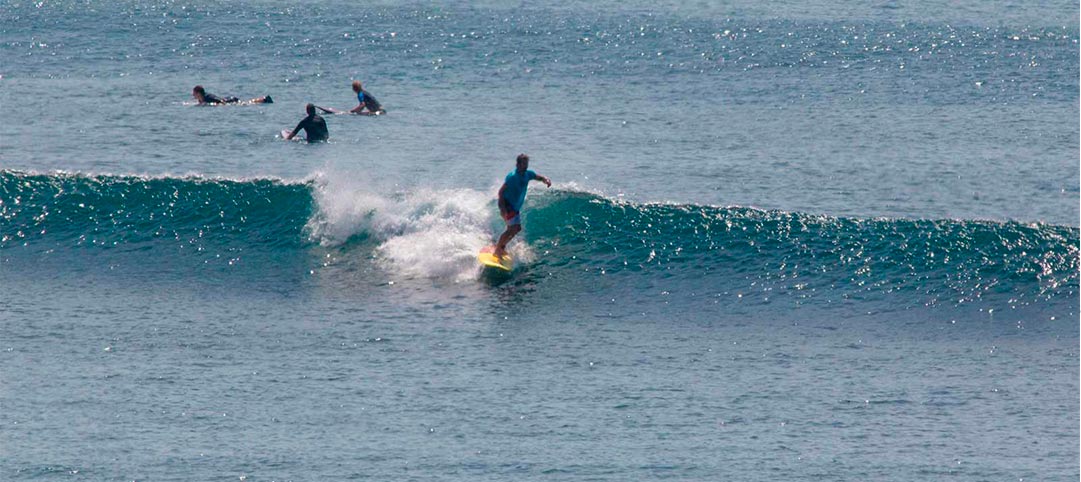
(545, 180)
(295, 130)
(329, 110)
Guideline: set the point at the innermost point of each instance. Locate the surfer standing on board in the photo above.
(511, 198)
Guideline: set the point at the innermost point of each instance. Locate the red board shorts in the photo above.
(512, 218)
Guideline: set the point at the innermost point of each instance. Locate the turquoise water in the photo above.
(822, 241)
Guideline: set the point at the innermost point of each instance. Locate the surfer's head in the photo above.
(198, 92)
(310, 108)
(522, 162)
(356, 86)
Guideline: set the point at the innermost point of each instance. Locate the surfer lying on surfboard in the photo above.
(511, 199)
(203, 98)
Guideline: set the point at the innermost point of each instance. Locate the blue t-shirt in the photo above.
(517, 184)
(368, 100)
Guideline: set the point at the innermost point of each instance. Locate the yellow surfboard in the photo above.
(488, 259)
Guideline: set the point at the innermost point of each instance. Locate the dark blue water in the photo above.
(785, 242)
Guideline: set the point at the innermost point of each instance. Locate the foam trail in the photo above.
(423, 233)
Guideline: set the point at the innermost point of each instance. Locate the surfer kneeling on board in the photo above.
(203, 98)
(366, 101)
(511, 198)
(315, 128)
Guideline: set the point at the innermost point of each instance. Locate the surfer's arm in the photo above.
(545, 180)
(357, 109)
(503, 207)
(295, 130)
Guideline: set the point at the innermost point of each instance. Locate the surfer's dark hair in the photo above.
(199, 89)
(310, 108)
(522, 158)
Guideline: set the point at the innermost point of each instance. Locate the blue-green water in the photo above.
(823, 241)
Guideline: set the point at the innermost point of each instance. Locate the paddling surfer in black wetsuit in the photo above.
(315, 128)
(204, 98)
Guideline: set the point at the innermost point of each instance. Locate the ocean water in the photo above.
(826, 241)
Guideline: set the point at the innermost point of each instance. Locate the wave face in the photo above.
(573, 239)
(130, 213)
(812, 257)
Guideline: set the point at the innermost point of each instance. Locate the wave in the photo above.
(570, 235)
(774, 252)
(131, 212)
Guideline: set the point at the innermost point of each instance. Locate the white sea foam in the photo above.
(420, 233)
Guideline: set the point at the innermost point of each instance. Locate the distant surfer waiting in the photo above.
(511, 199)
(366, 103)
(204, 98)
(315, 128)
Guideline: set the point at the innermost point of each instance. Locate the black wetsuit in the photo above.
(213, 99)
(315, 128)
(369, 101)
